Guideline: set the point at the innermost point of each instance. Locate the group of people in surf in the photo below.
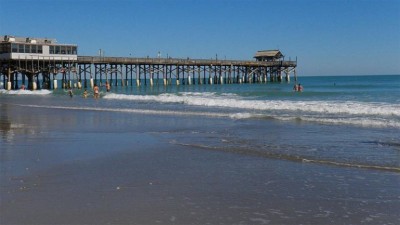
(96, 91)
(298, 87)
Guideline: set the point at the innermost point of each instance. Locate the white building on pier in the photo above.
(26, 48)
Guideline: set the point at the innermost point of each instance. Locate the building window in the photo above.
(14, 47)
(21, 48)
(5, 48)
(39, 49)
(33, 49)
(74, 50)
(27, 49)
(63, 50)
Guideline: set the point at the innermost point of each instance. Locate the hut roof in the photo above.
(268, 53)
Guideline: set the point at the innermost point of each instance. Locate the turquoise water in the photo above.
(365, 101)
(339, 117)
(332, 151)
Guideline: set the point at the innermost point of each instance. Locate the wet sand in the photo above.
(84, 167)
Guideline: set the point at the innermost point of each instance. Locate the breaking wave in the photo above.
(233, 101)
(368, 114)
(26, 92)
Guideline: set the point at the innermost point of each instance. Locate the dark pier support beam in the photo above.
(229, 81)
(100, 71)
(4, 82)
(64, 78)
(126, 76)
(183, 75)
(115, 71)
(55, 84)
(9, 84)
(194, 75)
(110, 73)
(199, 81)
(151, 73)
(287, 75)
(204, 75)
(145, 75)
(37, 82)
(271, 74)
(215, 78)
(15, 80)
(164, 74)
(96, 71)
(137, 75)
(31, 81)
(23, 79)
(160, 70)
(221, 79)
(234, 80)
(239, 75)
(80, 74)
(279, 74)
(69, 76)
(120, 71)
(177, 75)
(170, 75)
(210, 75)
(85, 77)
(127, 73)
(46, 80)
(131, 71)
(246, 75)
(265, 74)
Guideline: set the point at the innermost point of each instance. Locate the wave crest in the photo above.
(26, 92)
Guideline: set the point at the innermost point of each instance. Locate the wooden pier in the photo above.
(138, 71)
(121, 71)
(29, 60)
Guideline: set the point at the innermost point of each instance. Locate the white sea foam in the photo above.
(365, 114)
(362, 122)
(233, 101)
(25, 92)
(125, 110)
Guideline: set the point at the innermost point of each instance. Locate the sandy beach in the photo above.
(85, 167)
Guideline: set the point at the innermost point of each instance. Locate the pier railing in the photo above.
(177, 61)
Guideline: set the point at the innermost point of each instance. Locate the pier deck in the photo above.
(177, 61)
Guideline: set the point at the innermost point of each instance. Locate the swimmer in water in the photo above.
(96, 91)
(108, 87)
(70, 93)
(300, 88)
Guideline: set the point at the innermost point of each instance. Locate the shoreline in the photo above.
(87, 167)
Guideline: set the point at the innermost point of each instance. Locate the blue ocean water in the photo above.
(231, 153)
(351, 121)
(365, 101)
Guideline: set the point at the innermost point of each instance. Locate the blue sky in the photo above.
(342, 37)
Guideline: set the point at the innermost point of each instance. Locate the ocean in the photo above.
(338, 141)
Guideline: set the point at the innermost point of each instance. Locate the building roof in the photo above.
(269, 54)
(9, 38)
